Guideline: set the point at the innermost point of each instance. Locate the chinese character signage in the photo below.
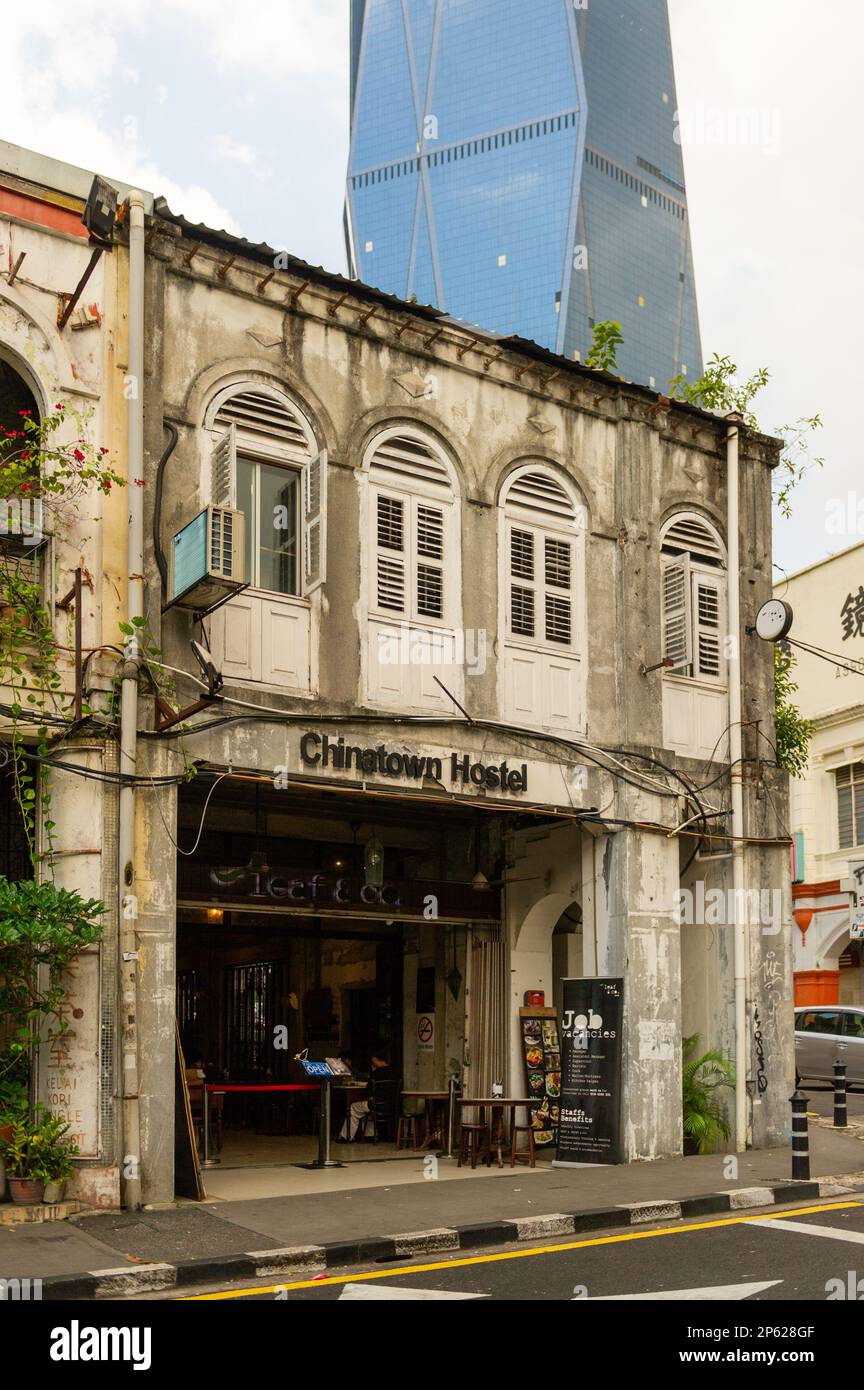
(852, 615)
(69, 1059)
(591, 1038)
(542, 1053)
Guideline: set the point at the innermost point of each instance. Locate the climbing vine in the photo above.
(47, 471)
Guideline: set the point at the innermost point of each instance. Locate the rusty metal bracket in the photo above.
(332, 308)
(15, 268)
(166, 717)
(64, 313)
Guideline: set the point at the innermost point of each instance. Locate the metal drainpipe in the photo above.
(742, 943)
(129, 718)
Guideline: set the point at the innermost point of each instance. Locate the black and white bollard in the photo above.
(800, 1138)
(840, 1116)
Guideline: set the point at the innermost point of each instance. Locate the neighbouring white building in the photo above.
(827, 803)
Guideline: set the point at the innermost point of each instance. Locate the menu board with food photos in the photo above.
(542, 1052)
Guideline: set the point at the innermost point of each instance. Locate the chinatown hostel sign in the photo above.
(325, 752)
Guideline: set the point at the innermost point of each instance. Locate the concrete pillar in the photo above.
(770, 1004)
(156, 877)
(642, 945)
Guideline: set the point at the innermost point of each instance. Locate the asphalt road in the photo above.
(810, 1253)
(820, 1099)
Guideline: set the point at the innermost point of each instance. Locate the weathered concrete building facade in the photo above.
(473, 732)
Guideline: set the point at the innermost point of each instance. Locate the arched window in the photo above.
(266, 464)
(20, 516)
(543, 532)
(412, 500)
(413, 569)
(694, 597)
(15, 396)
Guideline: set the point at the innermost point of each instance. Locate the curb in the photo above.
(312, 1261)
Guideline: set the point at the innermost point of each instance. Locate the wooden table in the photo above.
(436, 1111)
(495, 1130)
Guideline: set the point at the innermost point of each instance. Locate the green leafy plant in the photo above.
(38, 1149)
(793, 732)
(40, 926)
(705, 1123)
(603, 352)
(718, 389)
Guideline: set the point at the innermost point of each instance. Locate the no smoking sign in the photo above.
(426, 1032)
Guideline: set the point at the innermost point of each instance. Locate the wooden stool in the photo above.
(408, 1132)
(530, 1154)
(469, 1143)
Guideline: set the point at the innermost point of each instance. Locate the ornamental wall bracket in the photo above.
(412, 383)
(541, 424)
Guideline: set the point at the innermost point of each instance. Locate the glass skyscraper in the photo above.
(515, 163)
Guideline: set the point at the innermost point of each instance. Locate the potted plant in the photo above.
(25, 1161)
(705, 1123)
(59, 1153)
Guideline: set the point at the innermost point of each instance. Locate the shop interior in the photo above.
(292, 920)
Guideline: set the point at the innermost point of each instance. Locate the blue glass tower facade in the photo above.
(514, 162)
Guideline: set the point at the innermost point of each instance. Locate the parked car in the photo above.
(824, 1036)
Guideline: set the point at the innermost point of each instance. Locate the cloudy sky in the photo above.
(238, 114)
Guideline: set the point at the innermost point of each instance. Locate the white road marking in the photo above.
(354, 1292)
(730, 1292)
(802, 1228)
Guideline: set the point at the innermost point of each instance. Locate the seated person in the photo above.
(358, 1114)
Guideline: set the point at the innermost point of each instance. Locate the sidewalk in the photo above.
(197, 1242)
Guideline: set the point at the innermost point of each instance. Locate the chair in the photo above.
(383, 1106)
(470, 1143)
(515, 1130)
(408, 1131)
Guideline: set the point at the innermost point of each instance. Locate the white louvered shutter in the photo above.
(314, 518)
(390, 554)
(677, 624)
(707, 615)
(558, 584)
(223, 469)
(429, 534)
(523, 589)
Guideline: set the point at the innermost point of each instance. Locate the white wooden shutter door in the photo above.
(314, 522)
(677, 623)
(707, 610)
(390, 548)
(223, 469)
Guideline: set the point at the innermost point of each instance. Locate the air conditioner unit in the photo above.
(207, 563)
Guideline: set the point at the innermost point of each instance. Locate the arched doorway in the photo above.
(846, 957)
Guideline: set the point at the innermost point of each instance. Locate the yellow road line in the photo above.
(392, 1273)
